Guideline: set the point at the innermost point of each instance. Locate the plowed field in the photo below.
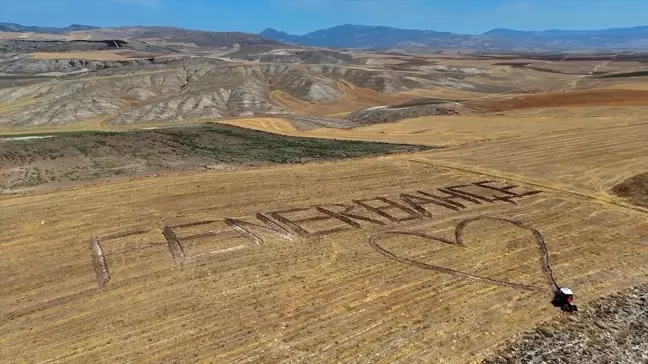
(428, 257)
(595, 97)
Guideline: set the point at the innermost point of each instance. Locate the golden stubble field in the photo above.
(427, 257)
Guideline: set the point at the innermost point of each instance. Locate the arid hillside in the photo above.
(153, 84)
(140, 75)
(174, 90)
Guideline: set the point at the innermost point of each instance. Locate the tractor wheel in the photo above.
(566, 307)
(569, 308)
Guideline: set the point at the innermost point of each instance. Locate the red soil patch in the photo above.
(570, 98)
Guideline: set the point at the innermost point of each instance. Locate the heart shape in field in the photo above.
(459, 241)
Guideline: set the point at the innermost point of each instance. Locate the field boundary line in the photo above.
(602, 201)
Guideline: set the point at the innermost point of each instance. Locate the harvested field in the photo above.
(334, 107)
(460, 129)
(589, 161)
(575, 68)
(447, 93)
(362, 261)
(626, 83)
(634, 84)
(95, 55)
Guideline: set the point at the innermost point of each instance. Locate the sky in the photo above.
(303, 16)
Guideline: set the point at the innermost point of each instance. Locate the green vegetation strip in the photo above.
(84, 156)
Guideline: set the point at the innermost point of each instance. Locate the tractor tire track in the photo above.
(459, 241)
(539, 239)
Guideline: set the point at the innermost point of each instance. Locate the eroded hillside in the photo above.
(144, 82)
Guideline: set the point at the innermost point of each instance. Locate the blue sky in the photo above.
(302, 16)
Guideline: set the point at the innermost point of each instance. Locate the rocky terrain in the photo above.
(388, 114)
(17, 65)
(294, 55)
(378, 115)
(181, 88)
(138, 75)
(613, 329)
(308, 122)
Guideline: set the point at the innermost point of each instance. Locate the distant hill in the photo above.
(361, 36)
(17, 28)
(574, 35)
(279, 36)
(200, 38)
(161, 34)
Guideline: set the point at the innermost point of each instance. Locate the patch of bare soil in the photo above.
(634, 189)
(613, 329)
(600, 97)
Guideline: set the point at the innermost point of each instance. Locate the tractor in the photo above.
(564, 298)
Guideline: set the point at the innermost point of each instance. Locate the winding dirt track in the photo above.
(305, 284)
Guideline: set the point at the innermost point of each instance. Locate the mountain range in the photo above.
(17, 28)
(362, 36)
(372, 37)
